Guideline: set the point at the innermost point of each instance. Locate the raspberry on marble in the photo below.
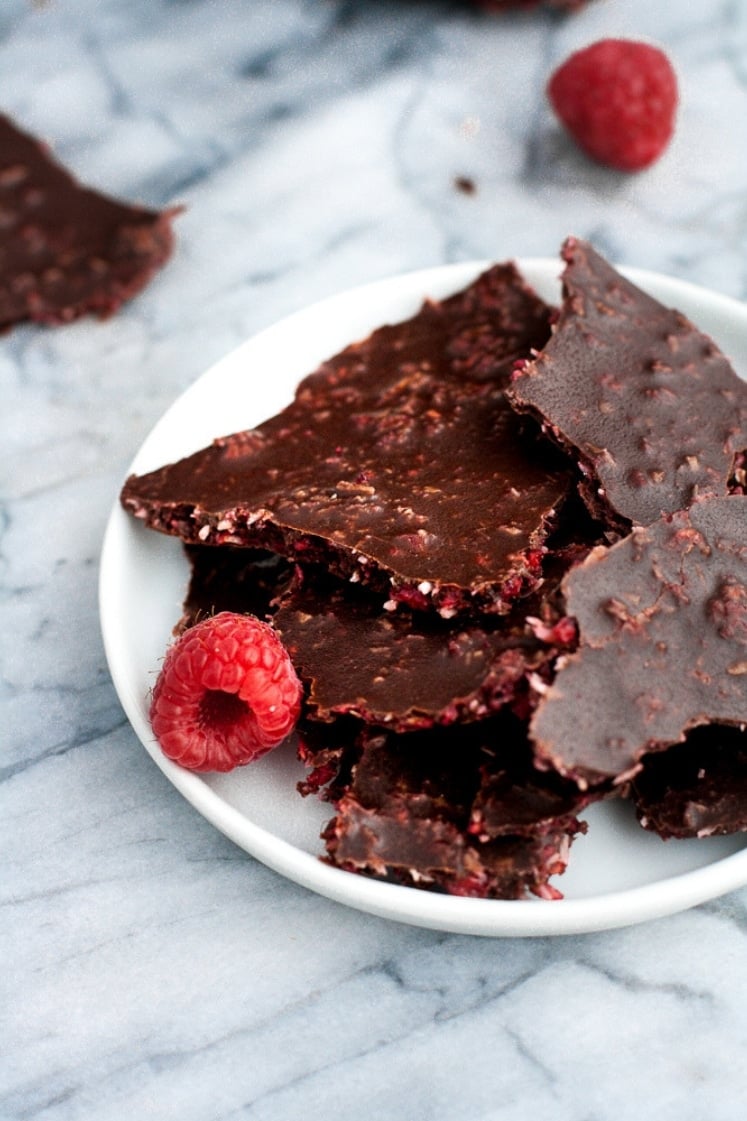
(618, 100)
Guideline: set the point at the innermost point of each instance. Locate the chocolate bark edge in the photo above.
(425, 810)
(662, 618)
(69, 250)
(697, 788)
(647, 404)
(399, 463)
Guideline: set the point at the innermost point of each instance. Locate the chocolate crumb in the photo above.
(465, 184)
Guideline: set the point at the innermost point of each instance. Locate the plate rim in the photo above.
(486, 917)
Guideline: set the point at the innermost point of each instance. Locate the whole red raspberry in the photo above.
(227, 693)
(618, 99)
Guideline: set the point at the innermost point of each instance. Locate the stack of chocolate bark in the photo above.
(506, 547)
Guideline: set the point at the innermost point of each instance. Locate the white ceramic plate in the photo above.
(618, 873)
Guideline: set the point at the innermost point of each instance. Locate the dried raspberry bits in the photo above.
(618, 100)
(227, 694)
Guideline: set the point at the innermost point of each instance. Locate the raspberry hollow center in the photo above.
(222, 711)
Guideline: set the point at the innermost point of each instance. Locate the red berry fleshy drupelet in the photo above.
(227, 693)
(618, 100)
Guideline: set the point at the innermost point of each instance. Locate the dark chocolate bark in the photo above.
(399, 463)
(226, 578)
(67, 249)
(697, 788)
(407, 814)
(518, 799)
(662, 619)
(648, 403)
(329, 751)
(402, 669)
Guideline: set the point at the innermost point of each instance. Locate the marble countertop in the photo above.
(151, 969)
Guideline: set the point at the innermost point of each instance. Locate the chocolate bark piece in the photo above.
(402, 669)
(399, 463)
(406, 817)
(66, 249)
(647, 403)
(227, 578)
(329, 751)
(697, 788)
(431, 854)
(662, 619)
(521, 800)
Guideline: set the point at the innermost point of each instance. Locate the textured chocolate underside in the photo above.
(648, 403)
(66, 249)
(662, 619)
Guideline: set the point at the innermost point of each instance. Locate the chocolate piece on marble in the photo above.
(697, 788)
(399, 463)
(662, 618)
(67, 250)
(647, 403)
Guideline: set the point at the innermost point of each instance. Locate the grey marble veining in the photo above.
(150, 968)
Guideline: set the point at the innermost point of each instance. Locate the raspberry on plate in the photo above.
(618, 100)
(227, 693)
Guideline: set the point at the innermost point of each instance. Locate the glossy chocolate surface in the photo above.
(399, 463)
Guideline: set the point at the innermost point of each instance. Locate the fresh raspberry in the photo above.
(227, 693)
(618, 100)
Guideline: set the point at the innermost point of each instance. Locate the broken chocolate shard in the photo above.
(406, 815)
(399, 463)
(697, 788)
(522, 800)
(662, 619)
(403, 670)
(400, 669)
(647, 403)
(68, 250)
(225, 578)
